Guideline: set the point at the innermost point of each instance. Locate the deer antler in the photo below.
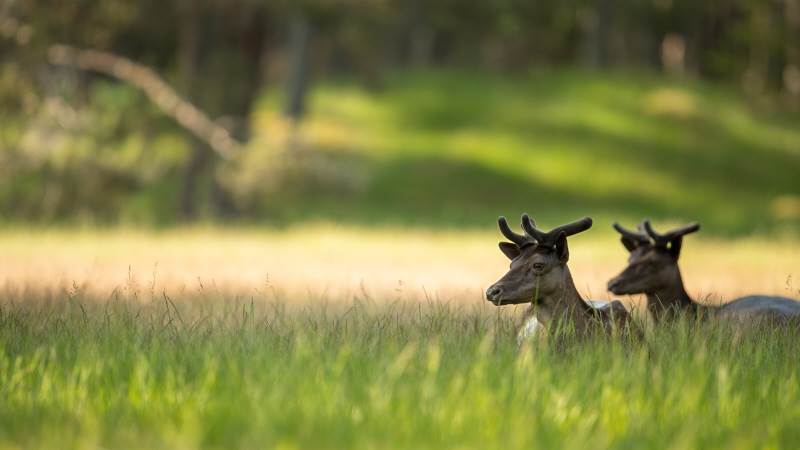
(550, 237)
(640, 238)
(518, 239)
(530, 228)
(663, 239)
(571, 228)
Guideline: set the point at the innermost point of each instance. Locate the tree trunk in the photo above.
(299, 69)
(189, 66)
(791, 73)
(192, 173)
(596, 26)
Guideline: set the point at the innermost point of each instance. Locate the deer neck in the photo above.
(564, 304)
(672, 299)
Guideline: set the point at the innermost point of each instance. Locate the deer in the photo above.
(539, 275)
(653, 270)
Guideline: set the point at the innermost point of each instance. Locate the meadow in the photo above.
(344, 309)
(184, 372)
(334, 337)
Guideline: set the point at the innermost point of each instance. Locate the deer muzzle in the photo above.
(494, 294)
(617, 286)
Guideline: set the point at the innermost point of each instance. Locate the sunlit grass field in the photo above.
(185, 372)
(337, 337)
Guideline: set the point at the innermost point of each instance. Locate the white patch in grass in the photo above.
(598, 304)
(530, 329)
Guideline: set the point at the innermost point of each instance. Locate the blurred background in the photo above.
(423, 120)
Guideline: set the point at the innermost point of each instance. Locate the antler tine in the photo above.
(530, 228)
(518, 239)
(663, 239)
(572, 227)
(639, 237)
(526, 217)
(658, 238)
(686, 229)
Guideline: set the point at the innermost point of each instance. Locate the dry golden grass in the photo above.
(330, 262)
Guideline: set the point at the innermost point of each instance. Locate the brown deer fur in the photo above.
(539, 275)
(653, 270)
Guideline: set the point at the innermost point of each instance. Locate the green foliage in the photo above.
(88, 159)
(430, 149)
(210, 372)
(452, 148)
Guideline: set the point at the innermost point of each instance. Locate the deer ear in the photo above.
(629, 243)
(561, 247)
(510, 250)
(674, 247)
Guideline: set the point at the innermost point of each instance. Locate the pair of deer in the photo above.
(539, 275)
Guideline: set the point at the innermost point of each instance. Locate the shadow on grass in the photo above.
(426, 191)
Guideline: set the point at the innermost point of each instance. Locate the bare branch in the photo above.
(154, 87)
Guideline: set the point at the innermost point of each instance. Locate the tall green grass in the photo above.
(206, 371)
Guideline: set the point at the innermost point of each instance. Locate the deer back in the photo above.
(761, 307)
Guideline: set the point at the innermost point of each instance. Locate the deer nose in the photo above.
(493, 293)
(614, 284)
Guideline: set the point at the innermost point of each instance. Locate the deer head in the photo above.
(653, 268)
(653, 261)
(538, 262)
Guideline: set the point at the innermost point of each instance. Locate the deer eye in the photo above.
(538, 266)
